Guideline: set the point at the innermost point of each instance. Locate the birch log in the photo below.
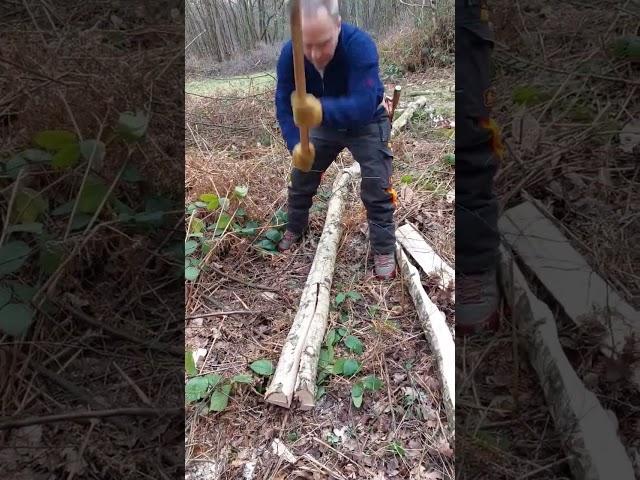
(582, 293)
(299, 357)
(588, 433)
(403, 119)
(435, 329)
(430, 262)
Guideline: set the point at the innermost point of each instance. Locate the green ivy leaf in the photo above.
(37, 156)
(91, 195)
(356, 394)
(274, 235)
(262, 367)
(94, 150)
(196, 388)
(372, 383)
(342, 332)
(66, 157)
(450, 159)
(132, 126)
(14, 165)
(340, 298)
(28, 206)
(80, 221)
(33, 227)
(220, 398)
(321, 392)
(223, 221)
(15, 319)
(190, 364)
(131, 174)
(5, 296)
(350, 368)
(240, 191)
(353, 344)
(190, 246)
(191, 273)
(54, 139)
(266, 245)
(250, 229)
(331, 338)
(338, 366)
(242, 378)
(210, 200)
(355, 296)
(12, 256)
(50, 258)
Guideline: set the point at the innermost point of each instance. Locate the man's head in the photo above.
(320, 30)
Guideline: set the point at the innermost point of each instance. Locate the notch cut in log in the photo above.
(435, 329)
(301, 349)
(410, 109)
(588, 433)
(426, 257)
(582, 293)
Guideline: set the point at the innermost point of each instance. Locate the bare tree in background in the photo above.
(221, 30)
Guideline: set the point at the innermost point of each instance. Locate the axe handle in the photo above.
(298, 64)
(394, 102)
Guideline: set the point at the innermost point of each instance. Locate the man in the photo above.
(344, 108)
(478, 151)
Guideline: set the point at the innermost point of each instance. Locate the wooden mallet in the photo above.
(298, 71)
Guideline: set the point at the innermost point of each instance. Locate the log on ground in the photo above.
(589, 435)
(435, 329)
(302, 346)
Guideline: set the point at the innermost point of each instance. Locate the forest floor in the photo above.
(570, 95)
(243, 296)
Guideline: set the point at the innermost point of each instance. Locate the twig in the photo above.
(72, 416)
(79, 314)
(220, 314)
(244, 282)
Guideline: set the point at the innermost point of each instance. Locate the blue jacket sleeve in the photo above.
(284, 86)
(360, 103)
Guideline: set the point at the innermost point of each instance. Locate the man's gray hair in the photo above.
(310, 7)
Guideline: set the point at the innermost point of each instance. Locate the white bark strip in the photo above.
(435, 329)
(416, 245)
(582, 293)
(588, 434)
(403, 119)
(302, 346)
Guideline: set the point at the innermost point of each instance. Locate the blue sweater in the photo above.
(350, 93)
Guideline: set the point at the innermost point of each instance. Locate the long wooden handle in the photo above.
(394, 102)
(298, 64)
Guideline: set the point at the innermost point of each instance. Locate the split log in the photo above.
(430, 262)
(403, 119)
(298, 361)
(435, 329)
(581, 292)
(594, 449)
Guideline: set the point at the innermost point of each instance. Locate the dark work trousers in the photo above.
(369, 146)
(477, 144)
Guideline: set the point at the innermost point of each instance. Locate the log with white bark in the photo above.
(588, 433)
(581, 292)
(430, 262)
(435, 329)
(299, 357)
(410, 109)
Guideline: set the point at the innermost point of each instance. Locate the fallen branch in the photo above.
(403, 119)
(435, 329)
(75, 416)
(581, 292)
(593, 447)
(298, 361)
(415, 244)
